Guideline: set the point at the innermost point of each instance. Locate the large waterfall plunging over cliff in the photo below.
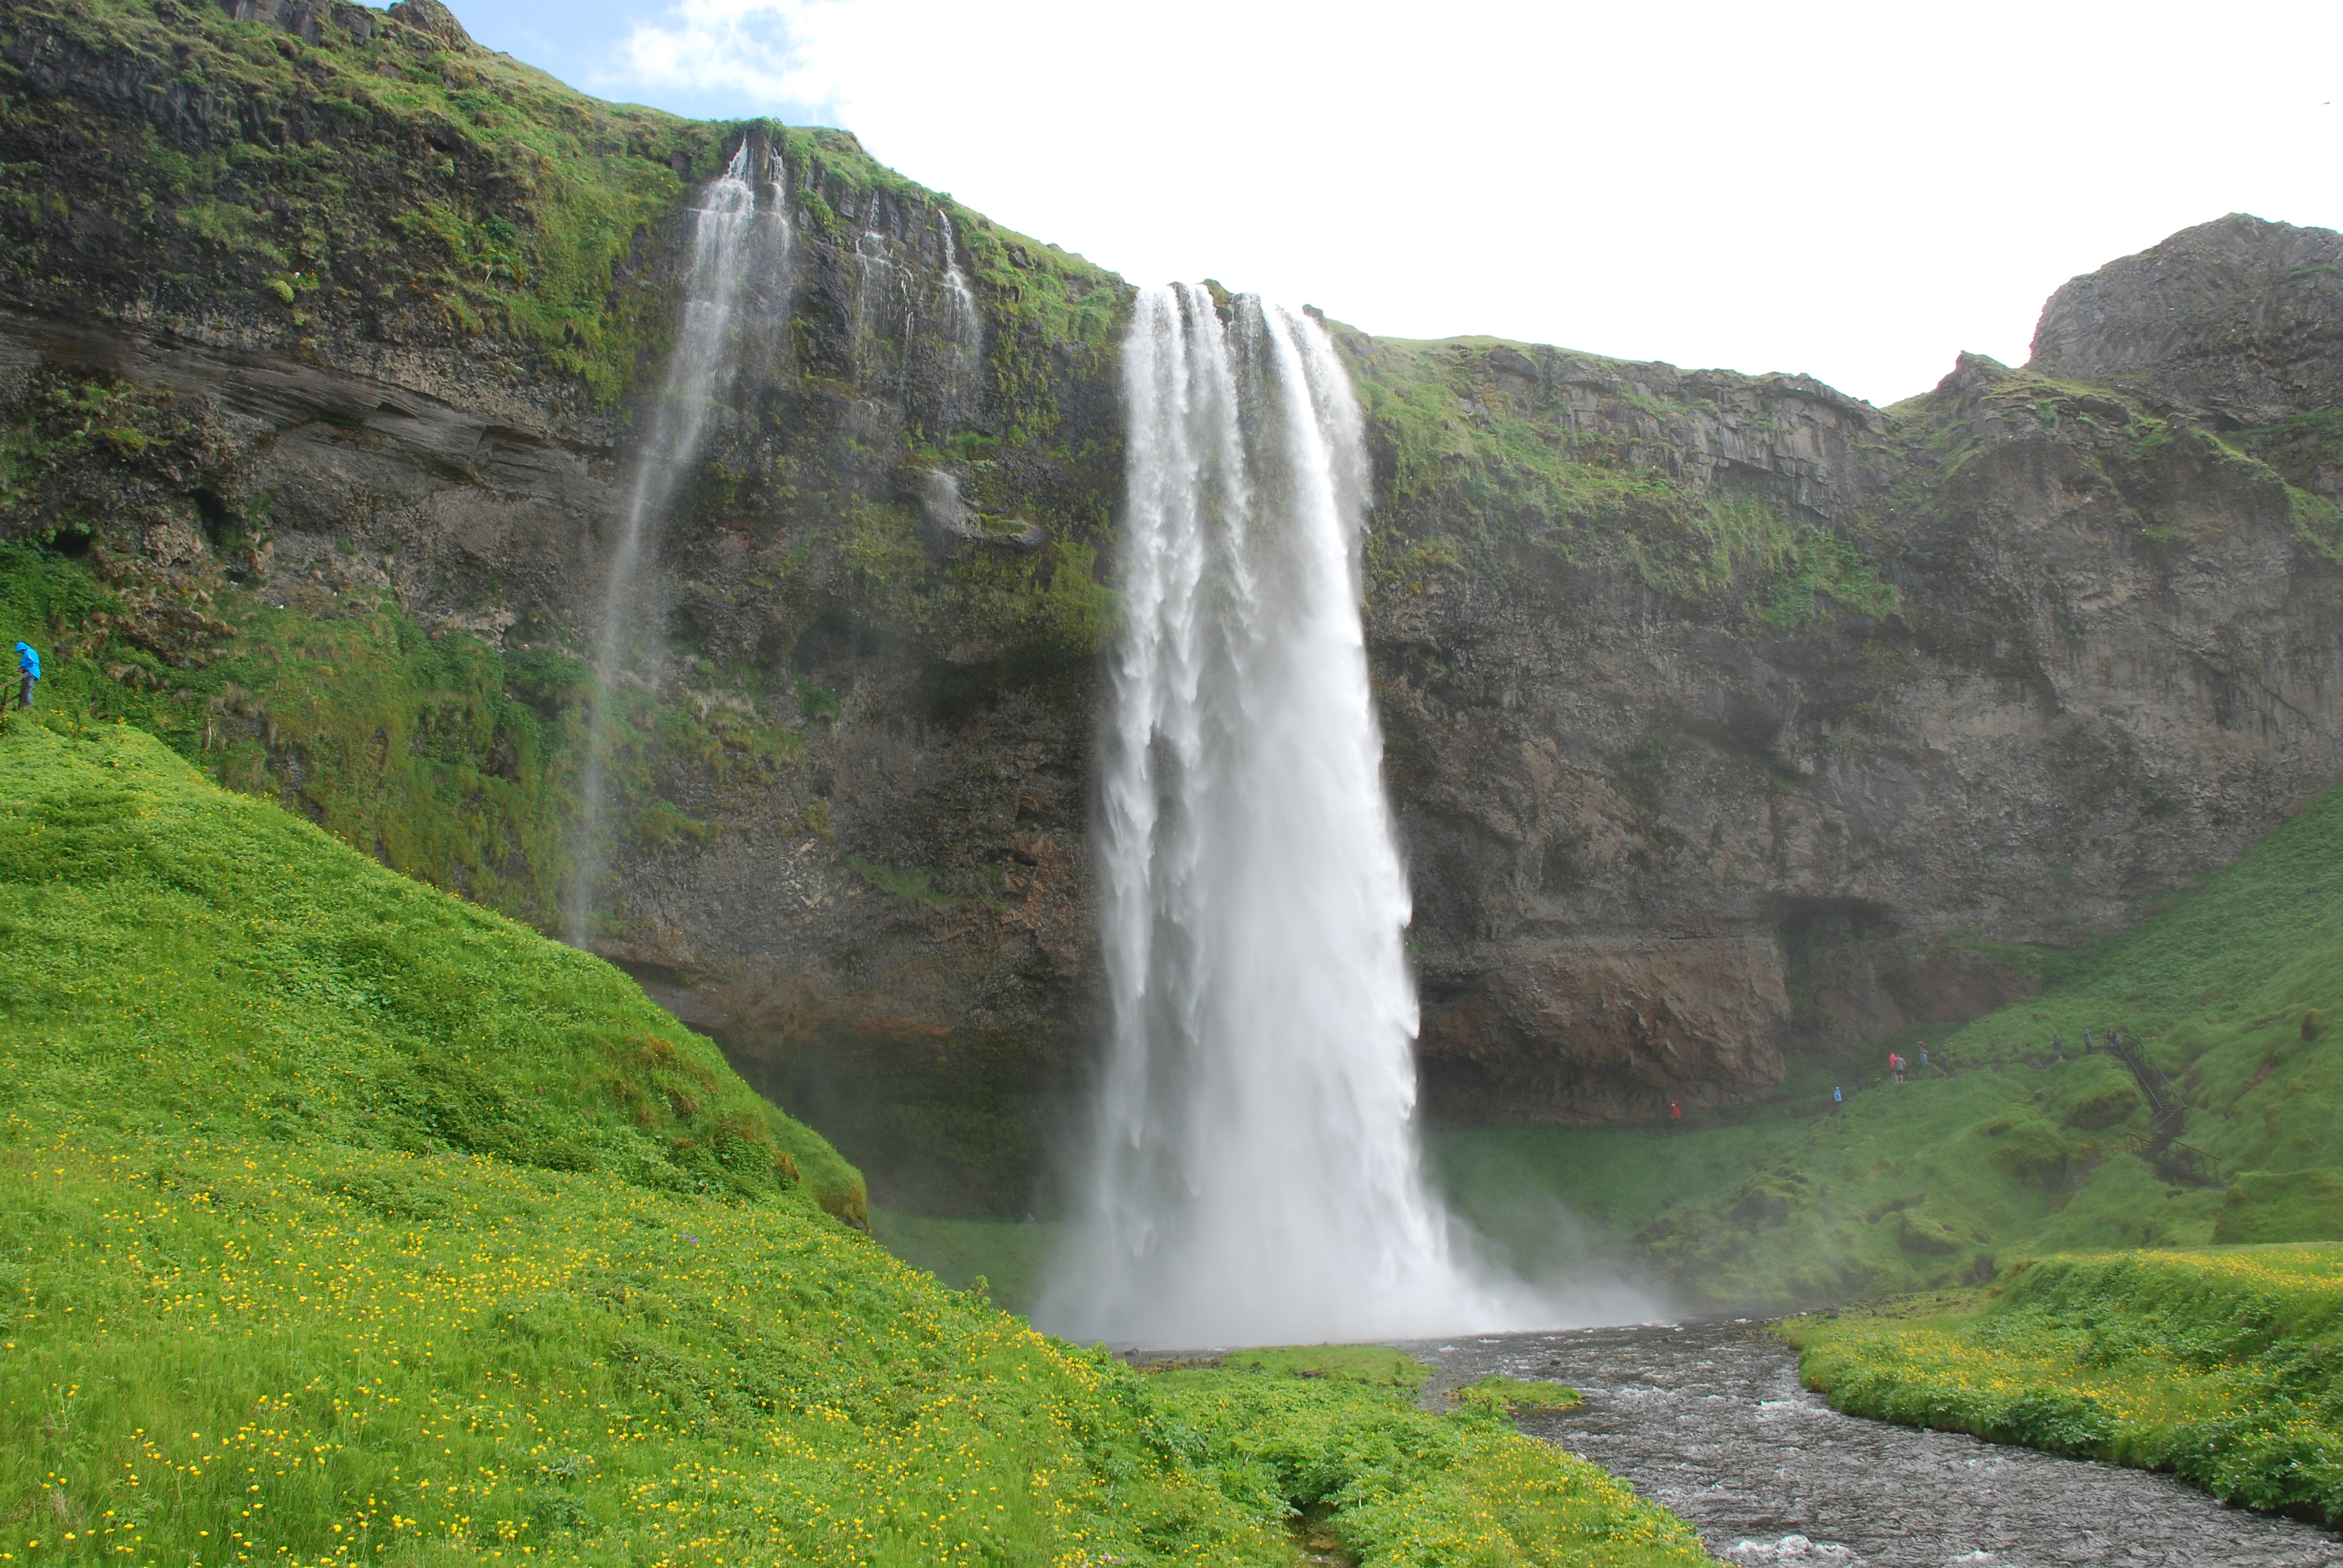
(735, 295)
(1257, 1175)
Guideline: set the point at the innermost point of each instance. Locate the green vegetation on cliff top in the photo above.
(437, 194)
(1486, 464)
(343, 1221)
(456, 192)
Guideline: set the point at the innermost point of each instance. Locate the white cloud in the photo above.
(753, 50)
(1855, 190)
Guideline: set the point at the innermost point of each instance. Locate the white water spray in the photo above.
(1256, 1175)
(734, 291)
(963, 324)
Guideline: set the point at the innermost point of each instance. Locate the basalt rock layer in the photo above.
(1726, 715)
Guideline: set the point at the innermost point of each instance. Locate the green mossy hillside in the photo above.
(2224, 1366)
(340, 1220)
(183, 962)
(2013, 1151)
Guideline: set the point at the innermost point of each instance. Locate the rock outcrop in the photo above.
(2236, 322)
(1726, 716)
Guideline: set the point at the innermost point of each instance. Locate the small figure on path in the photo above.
(1675, 1113)
(1839, 1095)
(2086, 1042)
(1896, 1066)
(28, 664)
(1924, 1056)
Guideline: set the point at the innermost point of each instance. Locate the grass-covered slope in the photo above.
(182, 962)
(1944, 1178)
(340, 1220)
(2224, 1366)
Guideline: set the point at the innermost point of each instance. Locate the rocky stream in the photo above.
(1709, 1419)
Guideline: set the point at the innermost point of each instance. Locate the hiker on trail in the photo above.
(1924, 1058)
(1675, 1113)
(1896, 1066)
(1839, 1095)
(2086, 1042)
(28, 663)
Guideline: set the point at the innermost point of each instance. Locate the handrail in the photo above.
(2166, 1109)
(2160, 1145)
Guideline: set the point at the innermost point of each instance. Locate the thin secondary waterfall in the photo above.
(1256, 1174)
(734, 292)
(963, 325)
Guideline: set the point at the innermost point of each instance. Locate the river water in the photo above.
(1709, 1419)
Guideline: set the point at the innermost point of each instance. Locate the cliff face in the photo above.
(1726, 715)
(2079, 652)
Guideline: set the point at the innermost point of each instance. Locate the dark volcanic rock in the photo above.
(1654, 836)
(2238, 320)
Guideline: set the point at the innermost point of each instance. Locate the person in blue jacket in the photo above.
(28, 663)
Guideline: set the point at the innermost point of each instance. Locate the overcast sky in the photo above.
(1858, 192)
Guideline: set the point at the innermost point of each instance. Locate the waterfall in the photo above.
(963, 324)
(735, 299)
(875, 275)
(1255, 1174)
(896, 290)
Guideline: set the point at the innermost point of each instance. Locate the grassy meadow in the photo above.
(341, 1220)
(2224, 1365)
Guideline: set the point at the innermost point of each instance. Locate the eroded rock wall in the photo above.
(1657, 836)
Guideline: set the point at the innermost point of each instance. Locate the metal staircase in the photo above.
(2160, 1145)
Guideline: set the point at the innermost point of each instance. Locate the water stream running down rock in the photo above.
(1257, 1174)
(1709, 1419)
(734, 297)
(964, 326)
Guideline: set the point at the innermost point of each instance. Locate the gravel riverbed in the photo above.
(1708, 1419)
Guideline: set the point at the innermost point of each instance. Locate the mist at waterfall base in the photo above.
(1255, 1176)
(734, 294)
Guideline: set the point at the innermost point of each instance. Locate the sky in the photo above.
(1858, 192)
